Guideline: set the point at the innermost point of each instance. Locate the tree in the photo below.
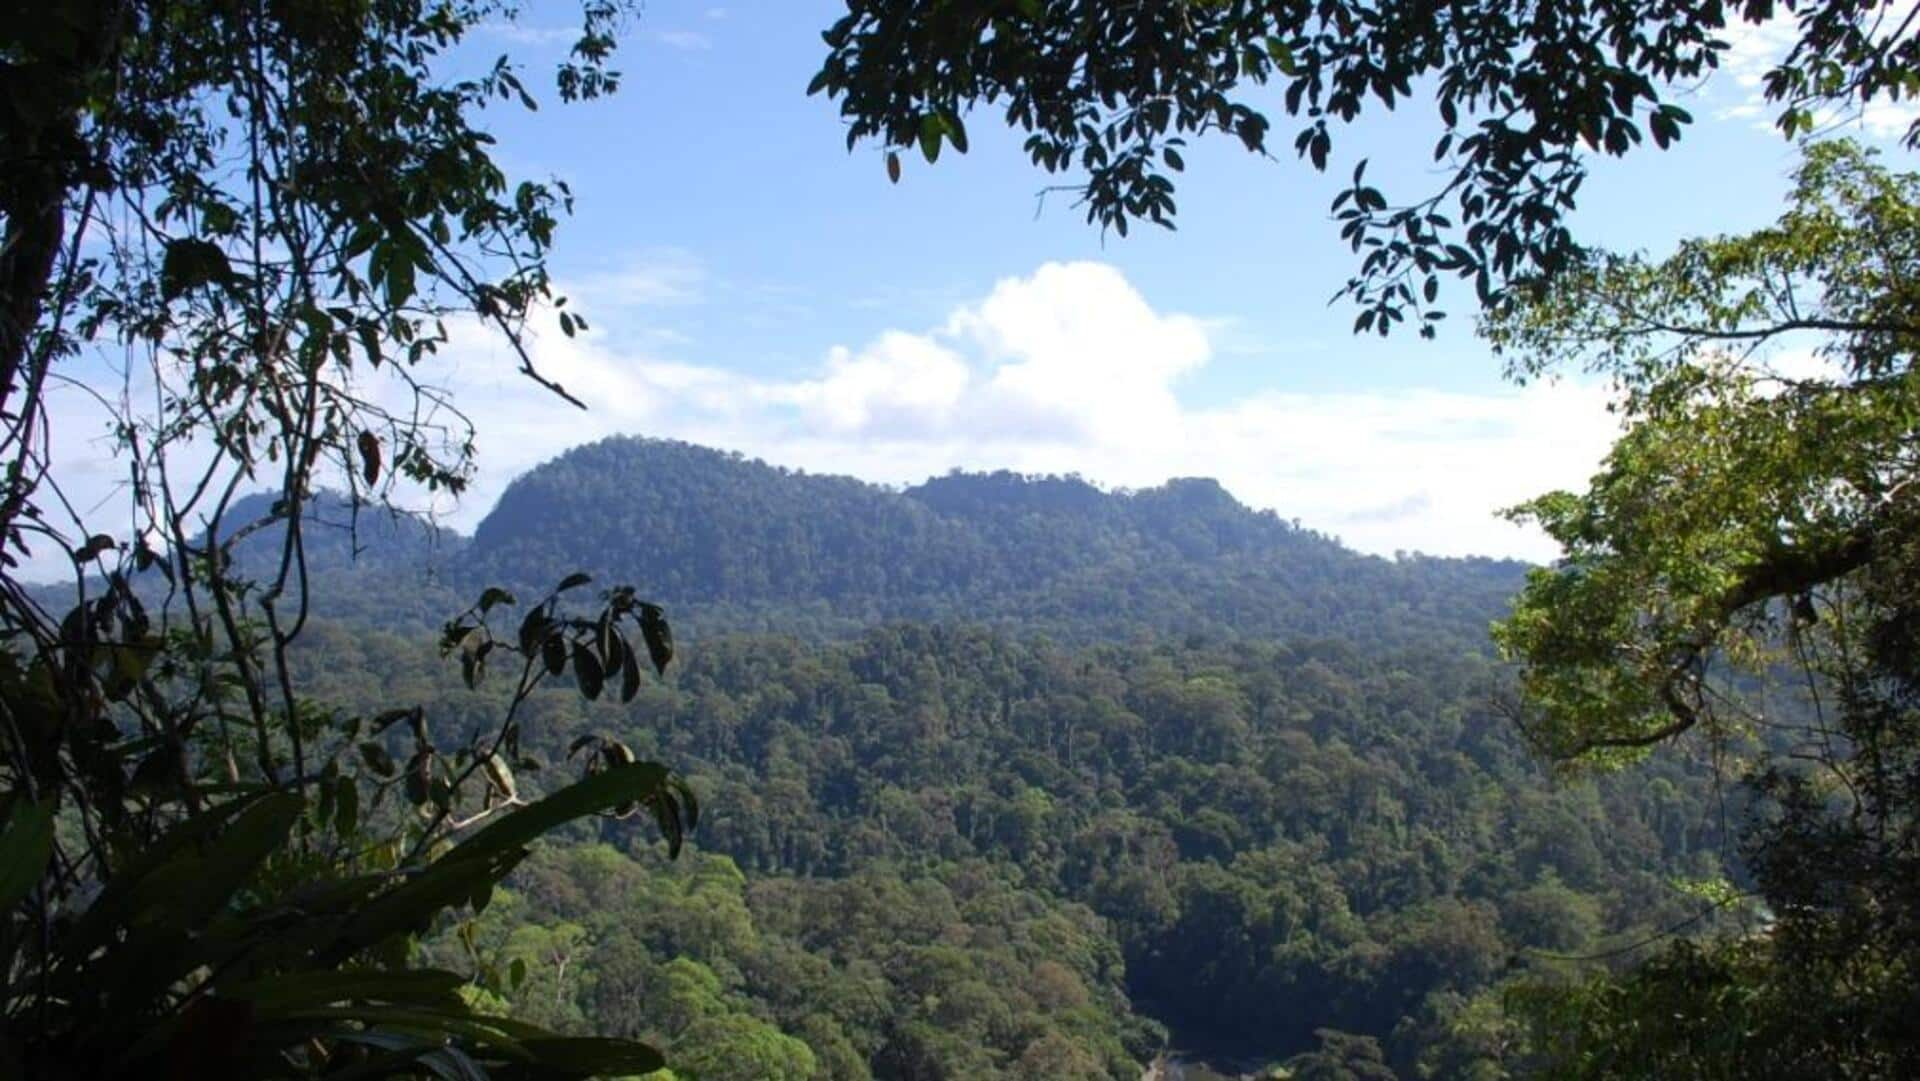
(261, 218)
(1342, 1057)
(1112, 93)
(1742, 498)
(1746, 566)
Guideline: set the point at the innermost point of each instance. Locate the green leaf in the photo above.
(411, 908)
(399, 277)
(590, 1056)
(188, 893)
(118, 899)
(346, 816)
(310, 988)
(25, 848)
(600, 792)
(1282, 56)
(931, 128)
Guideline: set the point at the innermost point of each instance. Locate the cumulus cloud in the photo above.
(1067, 369)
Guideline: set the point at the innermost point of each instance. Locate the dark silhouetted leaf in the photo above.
(586, 669)
(369, 458)
(659, 636)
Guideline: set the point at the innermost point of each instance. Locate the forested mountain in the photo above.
(732, 542)
(341, 535)
(372, 564)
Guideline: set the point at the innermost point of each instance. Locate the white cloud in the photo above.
(684, 40)
(1068, 369)
(659, 278)
(1757, 48)
(535, 36)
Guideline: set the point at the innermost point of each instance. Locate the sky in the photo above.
(754, 286)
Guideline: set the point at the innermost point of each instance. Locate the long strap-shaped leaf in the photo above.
(634, 782)
(25, 848)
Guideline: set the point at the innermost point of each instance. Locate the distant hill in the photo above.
(735, 541)
(340, 534)
(367, 563)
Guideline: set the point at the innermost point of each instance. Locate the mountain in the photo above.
(734, 541)
(366, 563)
(341, 534)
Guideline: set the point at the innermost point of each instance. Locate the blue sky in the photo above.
(754, 286)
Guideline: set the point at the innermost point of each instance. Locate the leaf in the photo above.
(96, 544)
(377, 759)
(658, 635)
(590, 1056)
(387, 719)
(25, 848)
(411, 908)
(188, 893)
(586, 669)
(501, 777)
(191, 263)
(316, 988)
(956, 132)
(369, 458)
(493, 596)
(629, 672)
(121, 897)
(346, 816)
(572, 581)
(533, 629)
(399, 276)
(554, 652)
(931, 128)
(591, 795)
(420, 778)
(893, 167)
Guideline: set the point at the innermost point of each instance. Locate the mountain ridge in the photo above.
(715, 531)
